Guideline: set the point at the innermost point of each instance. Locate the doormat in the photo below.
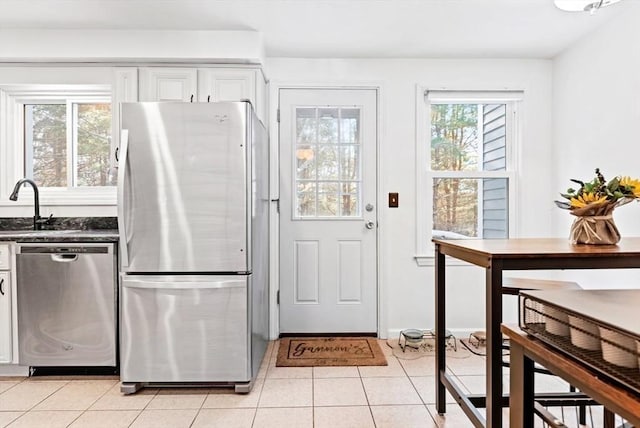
(329, 351)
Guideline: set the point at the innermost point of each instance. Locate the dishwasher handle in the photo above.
(64, 258)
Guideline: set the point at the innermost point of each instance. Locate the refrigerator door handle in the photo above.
(124, 148)
(132, 283)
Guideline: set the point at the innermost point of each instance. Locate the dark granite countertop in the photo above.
(67, 229)
(59, 235)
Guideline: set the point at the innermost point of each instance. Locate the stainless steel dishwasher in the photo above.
(66, 304)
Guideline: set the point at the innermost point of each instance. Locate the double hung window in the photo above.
(468, 176)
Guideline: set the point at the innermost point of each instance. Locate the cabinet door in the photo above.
(226, 84)
(5, 257)
(5, 318)
(125, 89)
(168, 84)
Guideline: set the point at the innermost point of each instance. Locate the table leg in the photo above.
(494, 343)
(521, 395)
(609, 419)
(440, 330)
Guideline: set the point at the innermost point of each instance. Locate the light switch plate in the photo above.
(393, 200)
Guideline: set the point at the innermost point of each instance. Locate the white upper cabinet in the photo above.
(205, 84)
(168, 84)
(226, 84)
(125, 89)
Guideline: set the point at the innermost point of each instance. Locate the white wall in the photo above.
(596, 112)
(407, 293)
(407, 290)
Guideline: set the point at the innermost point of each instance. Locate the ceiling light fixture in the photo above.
(590, 6)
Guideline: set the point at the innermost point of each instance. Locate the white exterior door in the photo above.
(328, 220)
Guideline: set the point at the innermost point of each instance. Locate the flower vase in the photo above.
(594, 229)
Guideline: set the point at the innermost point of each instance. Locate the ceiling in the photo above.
(338, 28)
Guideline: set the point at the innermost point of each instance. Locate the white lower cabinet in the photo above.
(5, 317)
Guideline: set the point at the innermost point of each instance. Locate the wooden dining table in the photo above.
(497, 256)
(525, 350)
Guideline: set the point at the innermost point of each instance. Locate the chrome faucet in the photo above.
(37, 220)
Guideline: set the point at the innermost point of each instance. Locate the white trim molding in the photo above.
(87, 45)
(424, 176)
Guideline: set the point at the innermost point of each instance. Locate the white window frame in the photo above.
(425, 176)
(12, 143)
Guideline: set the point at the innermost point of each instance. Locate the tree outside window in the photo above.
(327, 155)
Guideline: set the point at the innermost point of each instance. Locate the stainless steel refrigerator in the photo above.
(193, 223)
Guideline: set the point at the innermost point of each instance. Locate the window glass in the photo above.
(454, 137)
(327, 152)
(67, 144)
(93, 129)
(470, 207)
(468, 143)
(46, 144)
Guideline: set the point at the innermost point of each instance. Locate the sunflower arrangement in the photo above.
(593, 204)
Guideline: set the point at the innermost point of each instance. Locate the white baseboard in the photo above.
(13, 370)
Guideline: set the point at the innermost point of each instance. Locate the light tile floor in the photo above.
(401, 394)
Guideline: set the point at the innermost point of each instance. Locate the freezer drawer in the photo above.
(66, 304)
(184, 329)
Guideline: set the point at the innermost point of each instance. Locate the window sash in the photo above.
(426, 176)
(72, 124)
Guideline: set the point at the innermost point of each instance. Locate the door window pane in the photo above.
(306, 125)
(306, 162)
(327, 162)
(327, 153)
(350, 202)
(349, 162)
(328, 125)
(306, 199)
(349, 126)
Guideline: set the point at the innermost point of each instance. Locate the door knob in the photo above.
(370, 224)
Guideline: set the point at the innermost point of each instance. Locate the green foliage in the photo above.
(598, 191)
